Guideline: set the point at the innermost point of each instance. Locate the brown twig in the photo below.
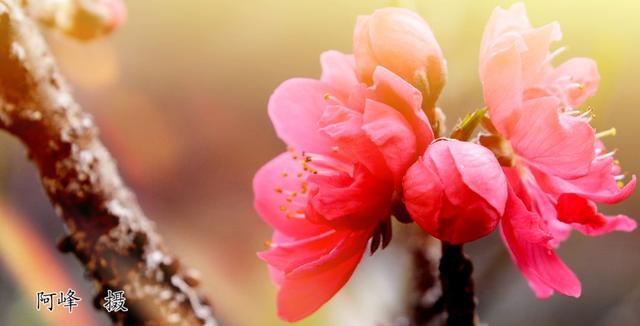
(427, 305)
(108, 231)
(457, 286)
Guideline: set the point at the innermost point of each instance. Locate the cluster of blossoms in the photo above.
(361, 147)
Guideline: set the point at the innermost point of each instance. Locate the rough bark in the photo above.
(107, 231)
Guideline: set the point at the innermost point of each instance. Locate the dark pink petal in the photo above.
(273, 184)
(524, 236)
(338, 71)
(395, 92)
(393, 136)
(295, 108)
(598, 185)
(287, 253)
(299, 297)
(457, 214)
(423, 194)
(310, 271)
(556, 143)
(355, 201)
(481, 172)
(344, 126)
(583, 215)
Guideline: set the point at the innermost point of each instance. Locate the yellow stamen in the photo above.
(608, 132)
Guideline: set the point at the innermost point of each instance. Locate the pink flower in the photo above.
(456, 191)
(349, 147)
(559, 168)
(401, 41)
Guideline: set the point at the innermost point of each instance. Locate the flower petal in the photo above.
(583, 215)
(344, 126)
(329, 262)
(357, 202)
(556, 143)
(295, 109)
(393, 136)
(272, 185)
(393, 91)
(422, 194)
(481, 172)
(524, 237)
(338, 71)
(583, 73)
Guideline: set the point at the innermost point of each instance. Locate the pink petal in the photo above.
(299, 297)
(442, 203)
(481, 172)
(393, 91)
(501, 76)
(310, 271)
(584, 73)
(423, 194)
(344, 126)
(355, 201)
(583, 215)
(271, 188)
(540, 265)
(295, 109)
(556, 143)
(598, 185)
(538, 41)
(338, 71)
(393, 136)
(511, 21)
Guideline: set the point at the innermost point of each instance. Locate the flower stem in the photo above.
(457, 285)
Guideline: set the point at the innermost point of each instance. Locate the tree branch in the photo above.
(457, 286)
(108, 232)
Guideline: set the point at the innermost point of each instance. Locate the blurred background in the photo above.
(180, 94)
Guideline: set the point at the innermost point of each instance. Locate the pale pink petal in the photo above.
(583, 215)
(338, 71)
(393, 136)
(501, 76)
(538, 41)
(514, 20)
(295, 109)
(540, 265)
(582, 78)
(272, 185)
(556, 143)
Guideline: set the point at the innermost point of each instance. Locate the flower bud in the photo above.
(401, 41)
(456, 192)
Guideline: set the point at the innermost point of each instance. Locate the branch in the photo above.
(108, 232)
(457, 286)
(427, 305)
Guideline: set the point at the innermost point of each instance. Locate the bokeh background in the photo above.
(180, 94)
